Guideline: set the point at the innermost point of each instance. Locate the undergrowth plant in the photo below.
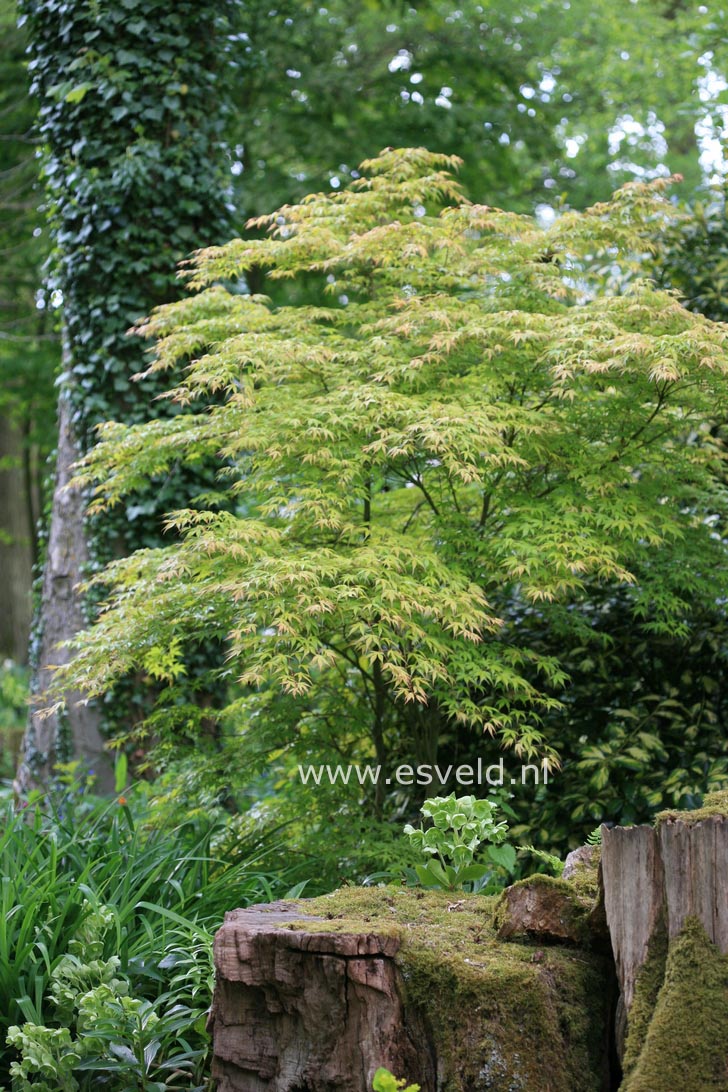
(385, 1081)
(106, 926)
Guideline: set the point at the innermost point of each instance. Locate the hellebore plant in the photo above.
(459, 826)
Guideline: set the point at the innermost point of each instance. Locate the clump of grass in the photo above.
(161, 894)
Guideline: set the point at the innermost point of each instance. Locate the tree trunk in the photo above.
(74, 731)
(16, 546)
(297, 1009)
(128, 197)
(666, 901)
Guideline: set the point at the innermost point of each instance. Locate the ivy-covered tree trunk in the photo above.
(131, 116)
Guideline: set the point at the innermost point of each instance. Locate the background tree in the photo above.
(694, 257)
(134, 180)
(546, 101)
(542, 99)
(28, 346)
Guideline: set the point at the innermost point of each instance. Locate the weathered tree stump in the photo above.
(666, 900)
(544, 910)
(299, 1009)
(315, 996)
(633, 898)
(472, 994)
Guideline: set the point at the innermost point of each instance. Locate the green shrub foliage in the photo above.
(106, 940)
(489, 420)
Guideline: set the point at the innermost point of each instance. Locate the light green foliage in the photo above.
(472, 429)
(552, 862)
(46, 1053)
(459, 826)
(134, 1040)
(574, 96)
(595, 838)
(384, 1081)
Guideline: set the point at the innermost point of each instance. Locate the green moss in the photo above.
(684, 1047)
(405, 906)
(503, 1017)
(649, 982)
(585, 880)
(555, 883)
(715, 804)
(509, 1018)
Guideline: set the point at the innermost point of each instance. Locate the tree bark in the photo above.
(663, 875)
(16, 546)
(633, 897)
(128, 198)
(315, 996)
(661, 885)
(297, 1009)
(74, 731)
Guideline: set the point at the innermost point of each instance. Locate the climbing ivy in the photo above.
(134, 165)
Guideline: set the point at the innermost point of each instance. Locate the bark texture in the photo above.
(666, 901)
(297, 1009)
(545, 910)
(695, 863)
(663, 876)
(75, 731)
(633, 880)
(316, 996)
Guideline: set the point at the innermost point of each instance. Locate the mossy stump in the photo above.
(666, 901)
(314, 996)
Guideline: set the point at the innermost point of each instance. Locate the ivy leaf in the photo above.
(78, 93)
